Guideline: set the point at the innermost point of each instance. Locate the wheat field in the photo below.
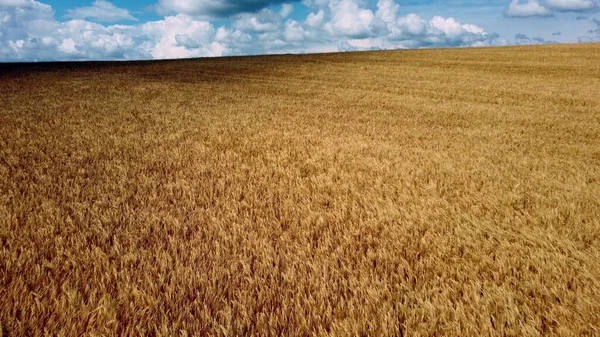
(398, 193)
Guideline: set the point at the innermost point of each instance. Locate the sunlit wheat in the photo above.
(415, 193)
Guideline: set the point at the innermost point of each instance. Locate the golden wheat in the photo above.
(400, 193)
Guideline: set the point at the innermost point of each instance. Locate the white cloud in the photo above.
(178, 37)
(100, 10)
(571, 5)
(184, 40)
(286, 10)
(315, 19)
(32, 33)
(73, 40)
(346, 25)
(238, 42)
(453, 28)
(264, 21)
(411, 31)
(407, 26)
(527, 9)
(15, 3)
(349, 19)
(68, 46)
(294, 32)
(387, 10)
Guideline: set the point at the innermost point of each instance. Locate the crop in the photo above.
(398, 193)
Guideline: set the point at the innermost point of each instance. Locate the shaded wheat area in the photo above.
(401, 193)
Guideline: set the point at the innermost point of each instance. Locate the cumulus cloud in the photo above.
(387, 10)
(571, 5)
(412, 31)
(346, 25)
(100, 10)
(386, 29)
(315, 19)
(214, 8)
(33, 34)
(264, 21)
(181, 36)
(29, 31)
(286, 10)
(349, 19)
(530, 8)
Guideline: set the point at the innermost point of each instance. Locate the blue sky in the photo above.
(46, 30)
